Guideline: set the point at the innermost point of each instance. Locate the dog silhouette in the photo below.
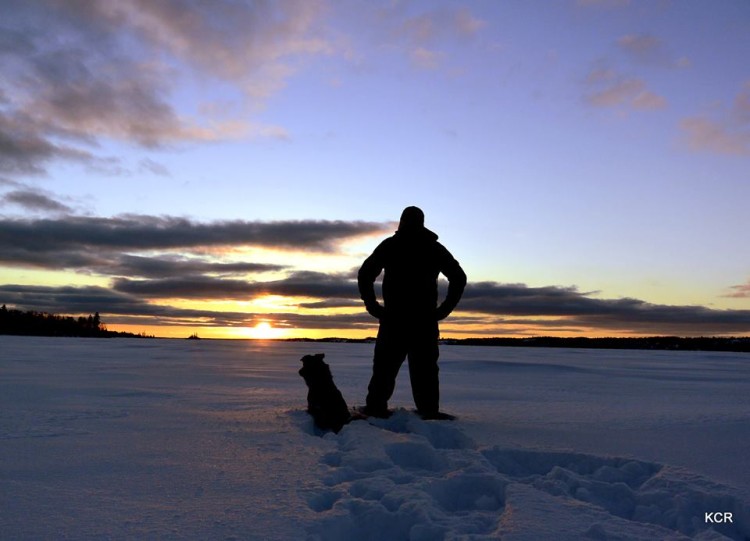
(324, 400)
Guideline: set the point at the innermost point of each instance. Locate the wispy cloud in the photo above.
(27, 145)
(35, 200)
(725, 131)
(432, 25)
(641, 46)
(620, 88)
(423, 36)
(602, 3)
(79, 74)
(715, 136)
(246, 43)
(75, 73)
(741, 106)
(148, 165)
(628, 93)
(606, 87)
(741, 291)
(426, 59)
(649, 49)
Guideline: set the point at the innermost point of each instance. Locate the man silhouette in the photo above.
(409, 315)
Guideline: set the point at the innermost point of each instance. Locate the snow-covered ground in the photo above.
(178, 439)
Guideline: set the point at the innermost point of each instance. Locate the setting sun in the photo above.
(265, 331)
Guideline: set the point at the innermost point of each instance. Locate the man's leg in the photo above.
(423, 370)
(390, 352)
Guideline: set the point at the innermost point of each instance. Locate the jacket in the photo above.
(412, 260)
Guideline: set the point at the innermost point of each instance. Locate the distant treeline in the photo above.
(44, 324)
(702, 343)
(711, 343)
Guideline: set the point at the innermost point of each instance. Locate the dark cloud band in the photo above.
(491, 306)
(133, 233)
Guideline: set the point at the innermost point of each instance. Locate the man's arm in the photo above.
(456, 284)
(370, 270)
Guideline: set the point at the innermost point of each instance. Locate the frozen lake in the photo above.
(178, 439)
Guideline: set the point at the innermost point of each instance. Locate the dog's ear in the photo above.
(317, 357)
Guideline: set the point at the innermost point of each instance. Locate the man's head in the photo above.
(412, 219)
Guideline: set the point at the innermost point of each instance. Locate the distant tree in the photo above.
(44, 324)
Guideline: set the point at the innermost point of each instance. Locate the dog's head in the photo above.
(314, 368)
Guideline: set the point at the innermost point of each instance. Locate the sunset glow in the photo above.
(264, 331)
(224, 169)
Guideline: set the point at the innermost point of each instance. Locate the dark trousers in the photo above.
(397, 340)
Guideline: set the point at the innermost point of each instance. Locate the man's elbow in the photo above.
(459, 278)
(365, 277)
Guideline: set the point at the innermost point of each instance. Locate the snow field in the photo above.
(184, 440)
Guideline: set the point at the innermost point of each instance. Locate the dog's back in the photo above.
(324, 400)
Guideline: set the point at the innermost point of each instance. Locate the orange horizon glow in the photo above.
(265, 330)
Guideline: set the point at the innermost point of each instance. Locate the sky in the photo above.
(224, 168)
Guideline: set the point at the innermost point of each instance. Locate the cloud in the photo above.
(640, 45)
(741, 291)
(331, 303)
(120, 308)
(6, 182)
(650, 50)
(147, 255)
(432, 25)
(708, 135)
(77, 73)
(726, 131)
(580, 310)
(133, 232)
(741, 106)
(35, 200)
(466, 24)
(423, 35)
(426, 59)
(124, 308)
(602, 3)
(608, 88)
(71, 300)
(72, 81)
(245, 43)
(643, 48)
(25, 148)
(138, 253)
(162, 267)
(630, 93)
(148, 165)
(498, 308)
(298, 284)
(141, 255)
